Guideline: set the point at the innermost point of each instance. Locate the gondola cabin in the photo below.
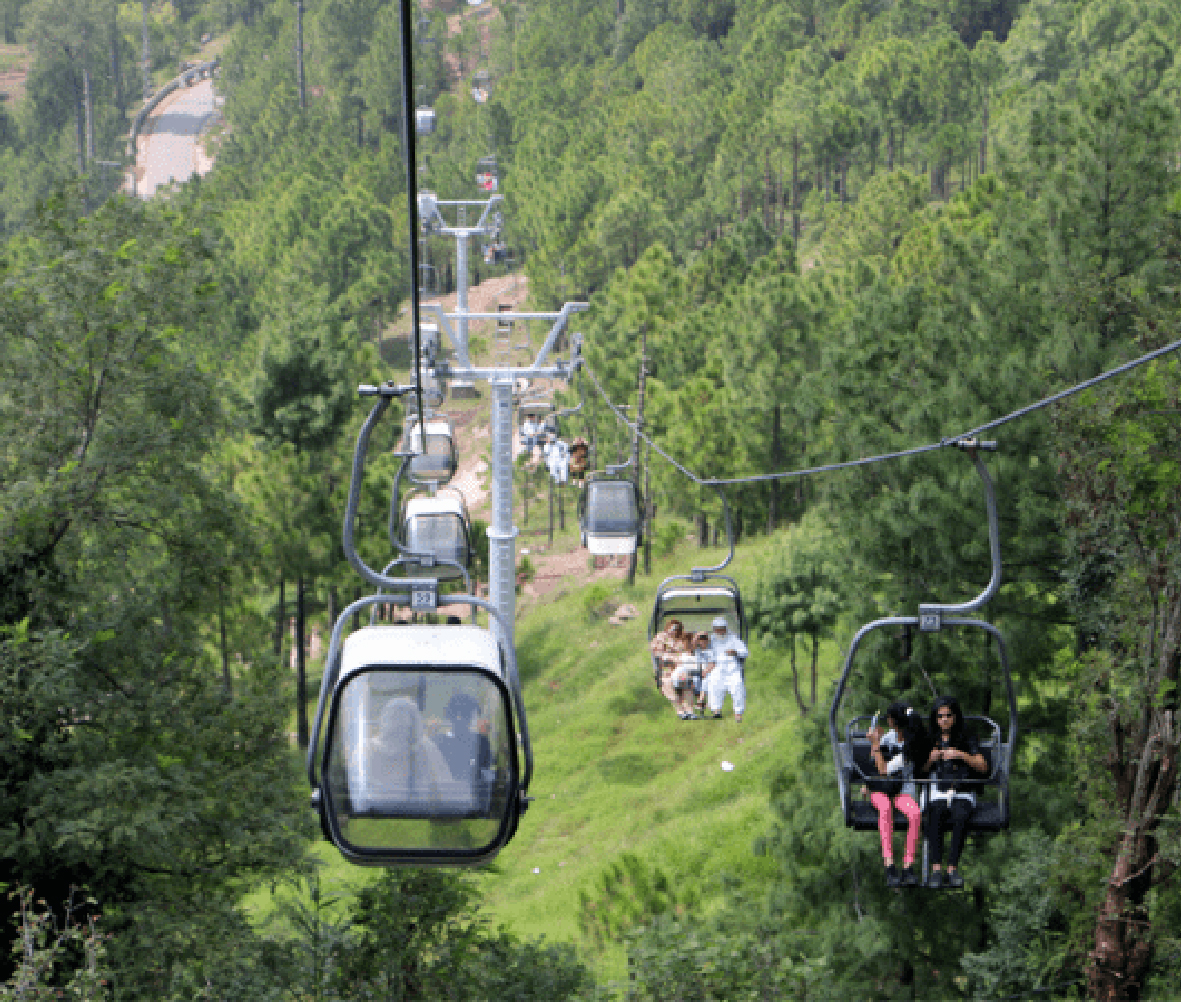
(609, 517)
(438, 526)
(419, 760)
(438, 460)
(426, 121)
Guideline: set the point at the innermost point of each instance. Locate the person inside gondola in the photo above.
(464, 746)
(954, 758)
(729, 652)
(667, 647)
(896, 755)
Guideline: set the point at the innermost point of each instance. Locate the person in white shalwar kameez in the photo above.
(726, 677)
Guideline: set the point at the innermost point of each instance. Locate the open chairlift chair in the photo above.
(487, 175)
(609, 514)
(849, 733)
(425, 755)
(698, 597)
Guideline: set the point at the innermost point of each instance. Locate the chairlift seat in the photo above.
(439, 526)
(990, 813)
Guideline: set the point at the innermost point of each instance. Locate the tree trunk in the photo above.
(146, 65)
(116, 70)
(776, 435)
(768, 194)
(844, 180)
(280, 620)
(301, 677)
(889, 148)
(226, 679)
(795, 188)
(303, 96)
(984, 138)
(795, 680)
(79, 119)
(88, 103)
(702, 530)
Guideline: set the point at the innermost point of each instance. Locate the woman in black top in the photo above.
(954, 758)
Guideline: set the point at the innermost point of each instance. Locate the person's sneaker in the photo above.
(682, 714)
(935, 881)
(954, 879)
(690, 715)
(891, 875)
(715, 716)
(909, 877)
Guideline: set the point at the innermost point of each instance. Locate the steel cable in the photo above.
(887, 456)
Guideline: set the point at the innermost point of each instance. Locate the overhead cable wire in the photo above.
(411, 154)
(886, 456)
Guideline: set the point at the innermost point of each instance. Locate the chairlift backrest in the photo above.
(420, 752)
(696, 605)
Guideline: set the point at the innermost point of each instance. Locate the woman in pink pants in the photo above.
(895, 754)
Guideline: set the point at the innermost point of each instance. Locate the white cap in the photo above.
(721, 621)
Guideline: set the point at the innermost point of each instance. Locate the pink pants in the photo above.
(907, 806)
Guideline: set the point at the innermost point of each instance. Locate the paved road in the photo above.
(168, 148)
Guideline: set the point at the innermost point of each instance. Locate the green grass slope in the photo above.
(616, 772)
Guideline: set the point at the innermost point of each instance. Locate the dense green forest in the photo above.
(844, 229)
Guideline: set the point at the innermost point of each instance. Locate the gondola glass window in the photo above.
(611, 517)
(437, 526)
(438, 461)
(420, 759)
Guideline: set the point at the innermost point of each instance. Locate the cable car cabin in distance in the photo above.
(426, 121)
(609, 517)
(438, 526)
(419, 762)
(438, 461)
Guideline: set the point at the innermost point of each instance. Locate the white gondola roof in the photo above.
(441, 504)
(409, 645)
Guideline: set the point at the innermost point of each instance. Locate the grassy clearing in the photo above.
(615, 770)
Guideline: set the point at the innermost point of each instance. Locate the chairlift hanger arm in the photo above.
(698, 573)
(934, 611)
